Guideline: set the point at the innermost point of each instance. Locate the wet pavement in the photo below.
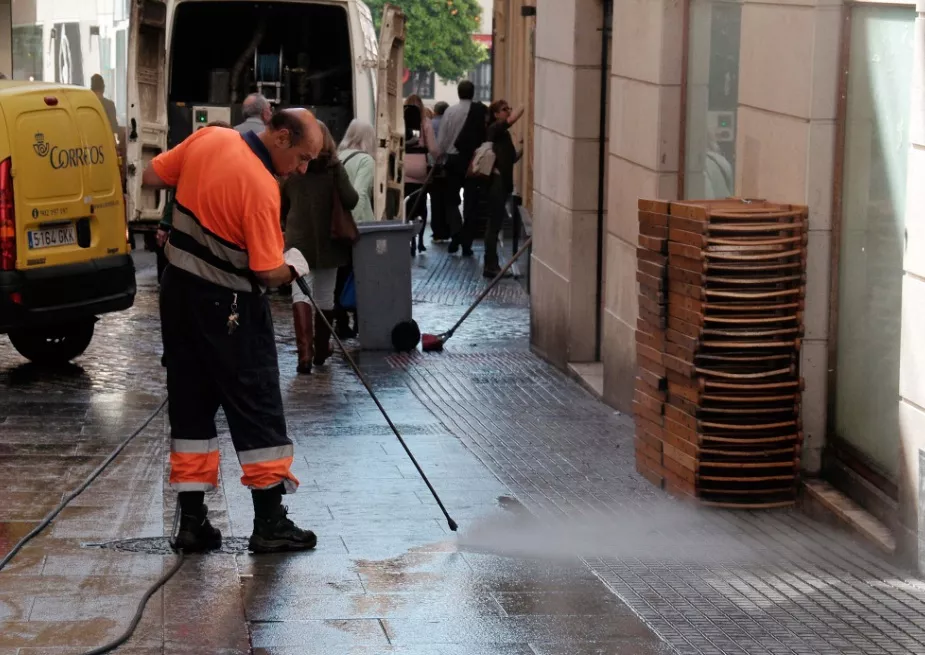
(387, 577)
(563, 549)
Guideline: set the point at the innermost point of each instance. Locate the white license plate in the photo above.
(60, 235)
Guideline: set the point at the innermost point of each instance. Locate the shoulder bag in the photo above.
(343, 227)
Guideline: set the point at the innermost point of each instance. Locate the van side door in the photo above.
(146, 132)
(388, 197)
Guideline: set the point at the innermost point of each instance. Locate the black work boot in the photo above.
(274, 532)
(196, 534)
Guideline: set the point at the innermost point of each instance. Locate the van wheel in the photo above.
(56, 344)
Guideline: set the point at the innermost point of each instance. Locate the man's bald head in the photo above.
(294, 138)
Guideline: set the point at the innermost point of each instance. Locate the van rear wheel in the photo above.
(57, 344)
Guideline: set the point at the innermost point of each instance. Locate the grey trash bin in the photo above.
(382, 273)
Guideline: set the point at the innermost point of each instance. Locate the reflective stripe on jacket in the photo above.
(198, 251)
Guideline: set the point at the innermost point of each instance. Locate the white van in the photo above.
(191, 62)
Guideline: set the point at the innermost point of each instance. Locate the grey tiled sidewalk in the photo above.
(487, 420)
(777, 582)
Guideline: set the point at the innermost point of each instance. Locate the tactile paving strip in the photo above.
(810, 589)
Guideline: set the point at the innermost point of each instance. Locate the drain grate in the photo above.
(374, 429)
(160, 546)
(502, 378)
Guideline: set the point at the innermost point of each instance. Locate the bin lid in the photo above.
(375, 227)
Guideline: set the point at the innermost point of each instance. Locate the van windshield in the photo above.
(297, 54)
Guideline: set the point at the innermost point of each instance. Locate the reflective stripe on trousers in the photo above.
(266, 467)
(194, 464)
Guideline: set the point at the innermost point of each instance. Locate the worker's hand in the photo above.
(296, 261)
(161, 237)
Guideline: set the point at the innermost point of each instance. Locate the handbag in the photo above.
(348, 295)
(343, 227)
(483, 161)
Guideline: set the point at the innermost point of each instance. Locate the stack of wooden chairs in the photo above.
(717, 396)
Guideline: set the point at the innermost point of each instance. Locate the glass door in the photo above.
(872, 233)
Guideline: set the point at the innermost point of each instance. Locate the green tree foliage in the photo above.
(439, 35)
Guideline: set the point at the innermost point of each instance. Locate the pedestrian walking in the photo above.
(257, 113)
(309, 201)
(420, 152)
(98, 86)
(440, 231)
(224, 249)
(357, 152)
(462, 131)
(439, 110)
(501, 182)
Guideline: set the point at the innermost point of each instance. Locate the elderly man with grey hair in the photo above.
(257, 113)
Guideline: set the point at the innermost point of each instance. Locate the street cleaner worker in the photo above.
(225, 249)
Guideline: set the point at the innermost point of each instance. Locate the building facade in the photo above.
(816, 102)
(68, 41)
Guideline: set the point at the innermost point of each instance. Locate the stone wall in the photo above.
(645, 127)
(565, 191)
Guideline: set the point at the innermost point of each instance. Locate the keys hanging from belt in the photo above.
(233, 316)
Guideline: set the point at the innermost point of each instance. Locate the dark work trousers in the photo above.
(474, 189)
(497, 204)
(208, 368)
(421, 212)
(438, 222)
(455, 178)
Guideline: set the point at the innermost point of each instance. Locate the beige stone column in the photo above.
(785, 148)
(645, 125)
(564, 264)
(911, 537)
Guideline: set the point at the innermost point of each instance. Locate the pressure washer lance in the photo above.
(303, 285)
(434, 342)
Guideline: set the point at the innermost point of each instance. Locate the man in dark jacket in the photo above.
(462, 131)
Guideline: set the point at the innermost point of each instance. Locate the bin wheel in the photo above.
(54, 345)
(406, 336)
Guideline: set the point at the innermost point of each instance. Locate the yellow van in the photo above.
(64, 251)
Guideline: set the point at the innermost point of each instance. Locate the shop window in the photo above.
(872, 232)
(28, 63)
(481, 78)
(712, 98)
(420, 83)
(121, 8)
